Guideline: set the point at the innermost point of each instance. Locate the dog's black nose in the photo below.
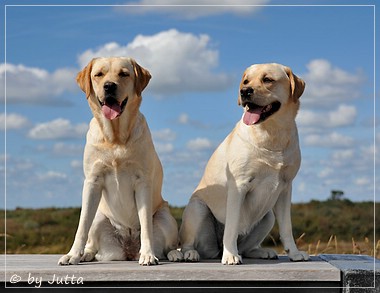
(246, 92)
(109, 87)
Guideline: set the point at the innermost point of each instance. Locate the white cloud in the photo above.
(177, 9)
(16, 164)
(13, 121)
(58, 129)
(52, 176)
(64, 149)
(349, 169)
(179, 62)
(343, 155)
(31, 85)
(199, 144)
(31, 183)
(363, 181)
(345, 115)
(331, 140)
(164, 148)
(325, 172)
(327, 84)
(164, 135)
(183, 118)
(163, 141)
(76, 164)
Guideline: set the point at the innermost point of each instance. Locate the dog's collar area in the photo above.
(255, 114)
(111, 108)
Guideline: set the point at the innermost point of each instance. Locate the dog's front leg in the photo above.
(282, 210)
(92, 192)
(234, 201)
(144, 207)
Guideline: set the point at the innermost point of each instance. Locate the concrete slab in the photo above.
(42, 270)
(360, 273)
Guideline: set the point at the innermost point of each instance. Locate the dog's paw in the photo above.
(69, 259)
(231, 259)
(148, 259)
(298, 256)
(191, 255)
(175, 255)
(264, 253)
(88, 256)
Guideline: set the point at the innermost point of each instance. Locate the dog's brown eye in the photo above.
(245, 81)
(267, 80)
(124, 74)
(99, 74)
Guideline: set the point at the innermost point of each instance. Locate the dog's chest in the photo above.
(264, 184)
(118, 193)
(120, 173)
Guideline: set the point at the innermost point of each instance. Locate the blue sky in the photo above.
(196, 56)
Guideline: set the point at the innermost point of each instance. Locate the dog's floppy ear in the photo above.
(142, 77)
(297, 85)
(240, 86)
(84, 78)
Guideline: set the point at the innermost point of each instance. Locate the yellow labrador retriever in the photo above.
(123, 216)
(250, 175)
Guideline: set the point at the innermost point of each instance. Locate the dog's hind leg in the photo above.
(103, 243)
(165, 235)
(198, 237)
(249, 244)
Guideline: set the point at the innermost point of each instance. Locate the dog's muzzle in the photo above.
(111, 108)
(255, 113)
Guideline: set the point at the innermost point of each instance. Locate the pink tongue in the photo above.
(252, 116)
(111, 111)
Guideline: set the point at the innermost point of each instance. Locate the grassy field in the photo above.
(333, 226)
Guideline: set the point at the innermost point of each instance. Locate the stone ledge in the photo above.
(325, 273)
(358, 271)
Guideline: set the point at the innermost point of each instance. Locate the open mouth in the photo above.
(255, 114)
(111, 108)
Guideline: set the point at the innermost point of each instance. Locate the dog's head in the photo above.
(111, 83)
(268, 89)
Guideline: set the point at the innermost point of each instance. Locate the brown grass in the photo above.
(334, 246)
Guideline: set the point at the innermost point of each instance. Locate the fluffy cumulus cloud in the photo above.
(199, 144)
(327, 84)
(11, 121)
(32, 85)
(65, 149)
(165, 135)
(164, 148)
(58, 129)
(330, 140)
(344, 115)
(342, 155)
(30, 183)
(326, 111)
(183, 118)
(52, 176)
(179, 62)
(353, 165)
(195, 9)
(76, 164)
(164, 141)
